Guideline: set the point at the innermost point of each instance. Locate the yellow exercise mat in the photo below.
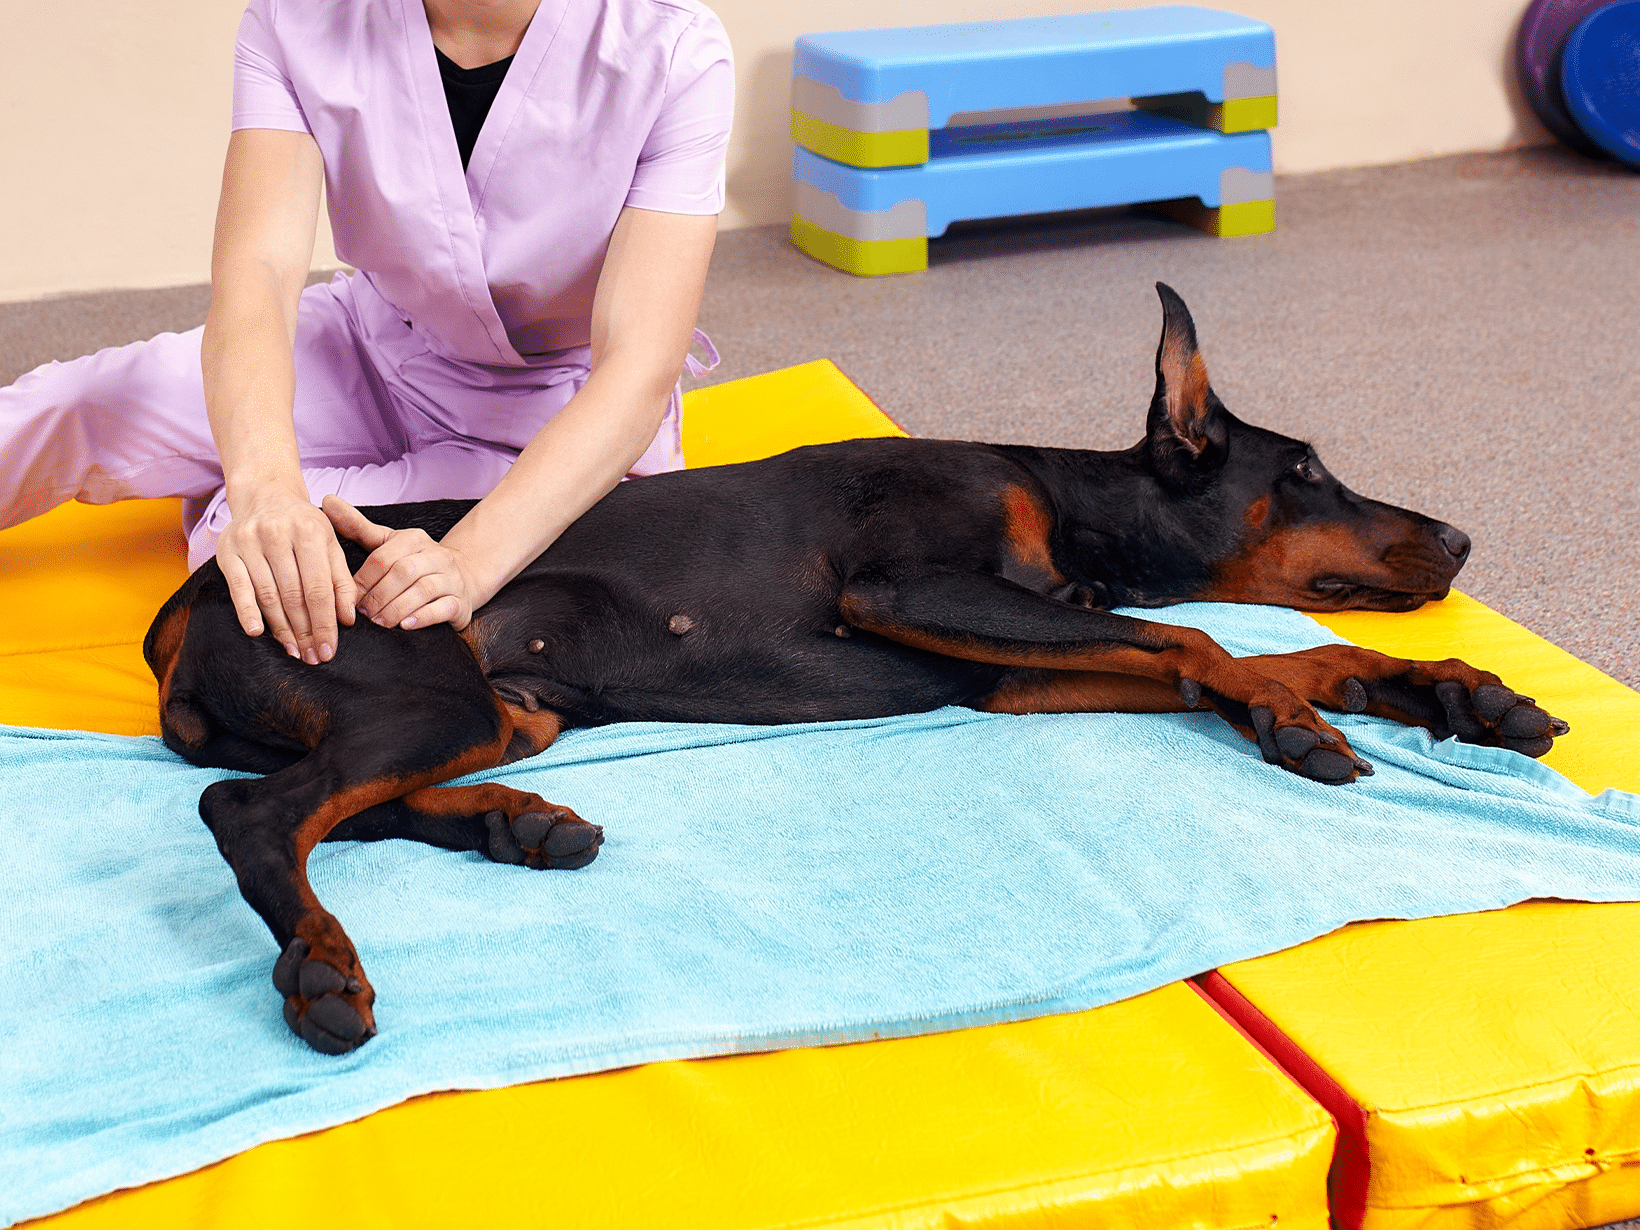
(743, 420)
(1150, 1112)
(81, 585)
(1492, 1060)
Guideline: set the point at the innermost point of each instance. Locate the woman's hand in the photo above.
(410, 580)
(283, 564)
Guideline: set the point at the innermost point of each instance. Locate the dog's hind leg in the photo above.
(266, 828)
(506, 825)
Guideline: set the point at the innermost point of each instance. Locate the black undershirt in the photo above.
(469, 92)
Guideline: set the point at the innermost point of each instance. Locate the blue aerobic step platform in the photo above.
(901, 132)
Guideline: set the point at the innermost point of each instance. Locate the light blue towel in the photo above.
(760, 887)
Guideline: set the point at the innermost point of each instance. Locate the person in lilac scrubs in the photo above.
(529, 192)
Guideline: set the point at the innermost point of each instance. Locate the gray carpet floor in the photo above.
(1456, 336)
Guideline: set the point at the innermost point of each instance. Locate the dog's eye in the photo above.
(1306, 471)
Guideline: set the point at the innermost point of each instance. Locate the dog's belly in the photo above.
(710, 662)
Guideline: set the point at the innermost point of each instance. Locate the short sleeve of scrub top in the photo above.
(263, 96)
(680, 170)
(607, 104)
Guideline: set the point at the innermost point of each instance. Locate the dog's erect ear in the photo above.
(1186, 431)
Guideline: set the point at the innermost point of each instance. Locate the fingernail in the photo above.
(291, 649)
(326, 652)
(408, 623)
(311, 658)
(378, 621)
(254, 630)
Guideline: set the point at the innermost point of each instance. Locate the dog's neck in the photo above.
(1116, 529)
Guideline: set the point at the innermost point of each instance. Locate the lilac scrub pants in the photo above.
(380, 419)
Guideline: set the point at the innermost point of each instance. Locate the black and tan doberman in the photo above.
(849, 580)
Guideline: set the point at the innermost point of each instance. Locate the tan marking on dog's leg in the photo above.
(532, 733)
(1082, 692)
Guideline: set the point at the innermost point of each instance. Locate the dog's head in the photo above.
(1282, 529)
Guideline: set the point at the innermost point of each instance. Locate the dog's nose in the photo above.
(1455, 541)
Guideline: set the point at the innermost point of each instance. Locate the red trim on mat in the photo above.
(1195, 984)
(1352, 1165)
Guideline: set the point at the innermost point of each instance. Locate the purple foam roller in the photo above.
(1544, 28)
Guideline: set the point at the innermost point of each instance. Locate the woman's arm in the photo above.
(643, 318)
(279, 553)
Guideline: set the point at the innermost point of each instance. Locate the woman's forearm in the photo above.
(642, 322)
(250, 381)
(572, 463)
(259, 261)
(282, 563)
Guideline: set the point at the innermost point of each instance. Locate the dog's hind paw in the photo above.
(326, 1008)
(556, 838)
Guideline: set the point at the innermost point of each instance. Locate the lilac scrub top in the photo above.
(608, 103)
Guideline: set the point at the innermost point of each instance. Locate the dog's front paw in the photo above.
(1493, 714)
(327, 998)
(1472, 706)
(1287, 728)
(555, 837)
(1293, 735)
(1448, 698)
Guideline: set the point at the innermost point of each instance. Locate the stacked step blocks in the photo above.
(901, 132)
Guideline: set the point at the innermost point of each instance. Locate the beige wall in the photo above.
(114, 113)
(113, 123)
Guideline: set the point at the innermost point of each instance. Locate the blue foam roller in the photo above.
(1600, 75)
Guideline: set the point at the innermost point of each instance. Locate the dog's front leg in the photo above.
(1448, 698)
(1065, 658)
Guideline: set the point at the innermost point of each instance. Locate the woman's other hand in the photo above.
(410, 580)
